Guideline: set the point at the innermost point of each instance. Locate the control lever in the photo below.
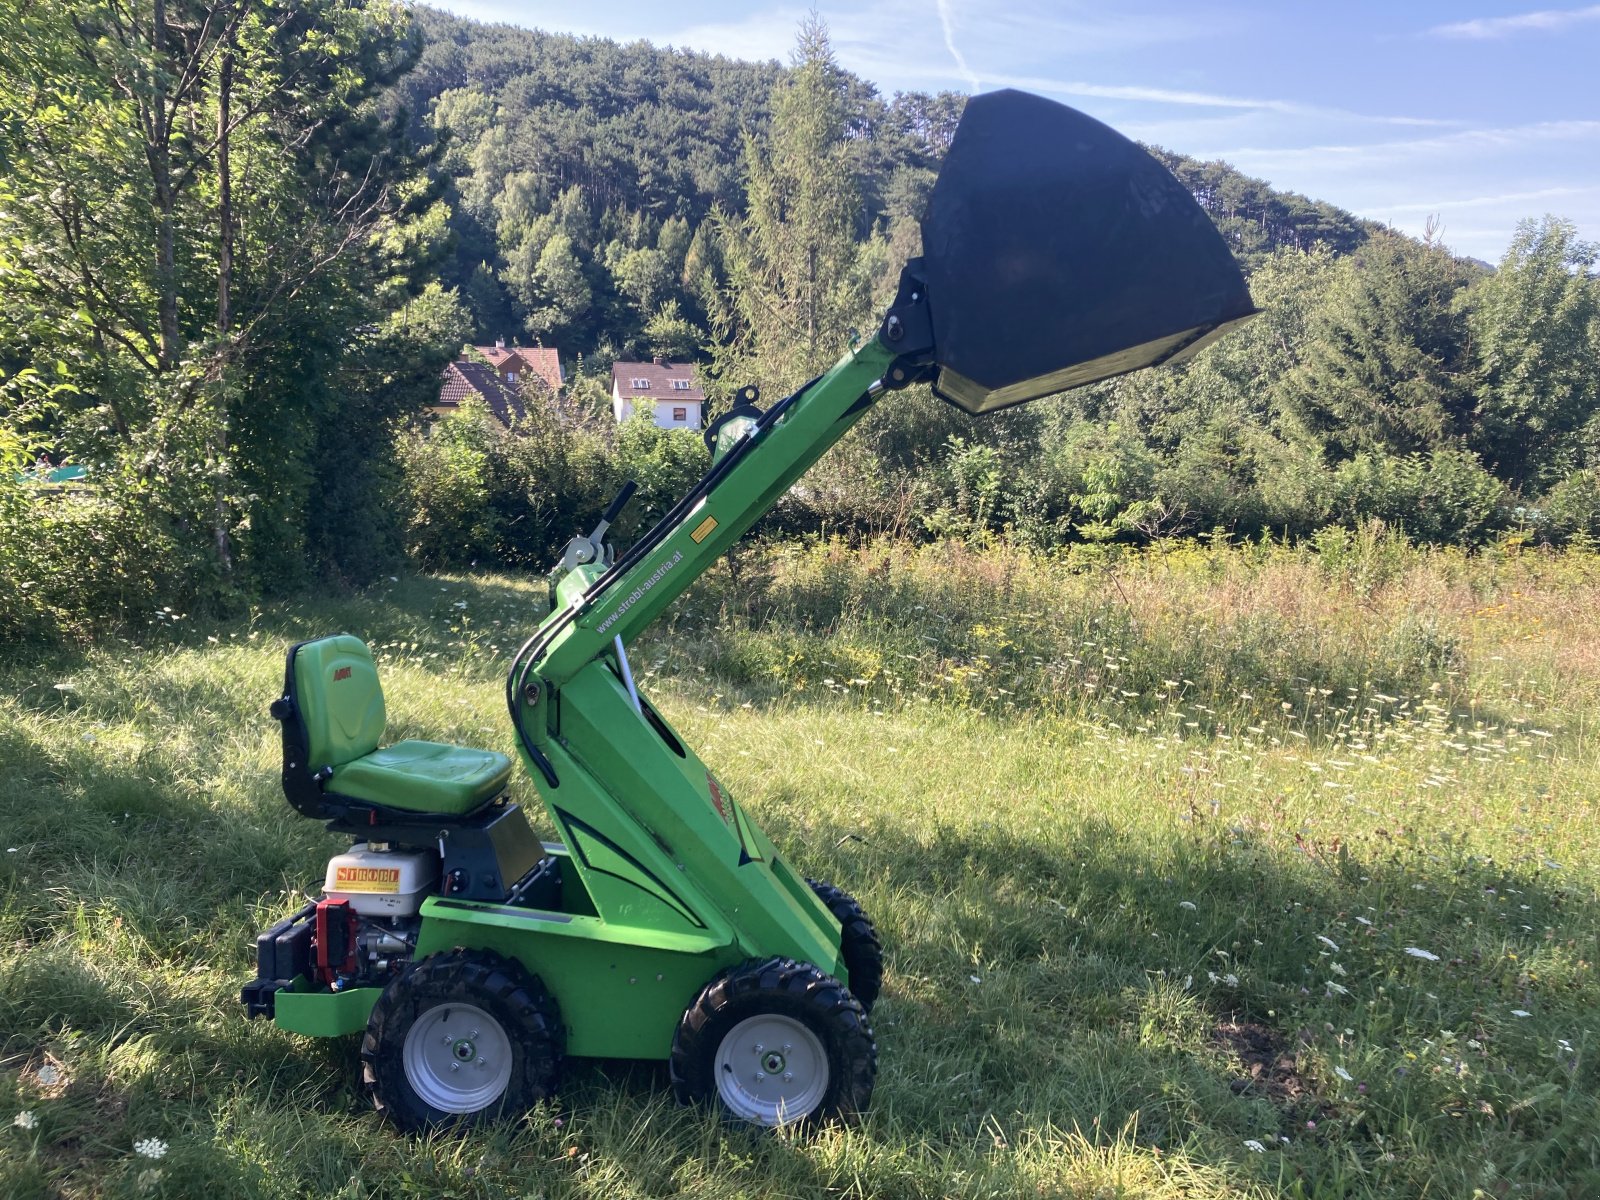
(583, 550)
(614, 511)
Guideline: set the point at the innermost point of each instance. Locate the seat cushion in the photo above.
(424, 777)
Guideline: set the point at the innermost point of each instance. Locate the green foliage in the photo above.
(448, 520)
(1444, 496)
(1536, 331)
(664, 463)
(1385, 352)
(787, 259)
(213, 229)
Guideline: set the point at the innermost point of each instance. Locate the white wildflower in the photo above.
(1188, 904)
(1337, 989)
(975, 978)
(150, 1148)
(1419, 952)
(1328, 942)
(1343, 1074)
(48, 1075)
(1337, 969)
(1254, 1146)
(25, 1120)
(1520, 1012)
(1363, 921)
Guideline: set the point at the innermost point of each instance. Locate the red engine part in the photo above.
(333, 945)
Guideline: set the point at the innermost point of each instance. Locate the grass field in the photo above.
(1209, 873)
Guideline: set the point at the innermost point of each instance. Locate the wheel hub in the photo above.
(771, 1069)
(457, 1058)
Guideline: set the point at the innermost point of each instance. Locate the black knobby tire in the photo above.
(503, 1022)
(858, 942)
(805, 1006)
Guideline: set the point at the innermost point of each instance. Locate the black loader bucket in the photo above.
(1057, 252)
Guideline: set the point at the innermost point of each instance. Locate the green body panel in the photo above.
(424, 777)
(575, 582)
(621, 990)
(322, 1013)
(682, 882)
(701, 844)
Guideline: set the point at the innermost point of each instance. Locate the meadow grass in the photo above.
(1202, 873)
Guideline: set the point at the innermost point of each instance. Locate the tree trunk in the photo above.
(159, 152)
(219, 448)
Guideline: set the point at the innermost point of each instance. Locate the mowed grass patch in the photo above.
(1184, 941)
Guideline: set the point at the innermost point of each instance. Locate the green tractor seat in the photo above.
(333, 719)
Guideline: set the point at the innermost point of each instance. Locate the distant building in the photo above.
(676, 400)
(521, 365)
(500, 381)
(465, 379)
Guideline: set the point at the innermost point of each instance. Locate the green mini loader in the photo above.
(662, 923)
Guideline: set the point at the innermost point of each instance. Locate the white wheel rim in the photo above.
(457, 1058)
(771, 1070)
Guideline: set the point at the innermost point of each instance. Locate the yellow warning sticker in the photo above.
(366, 879)
(703, 530)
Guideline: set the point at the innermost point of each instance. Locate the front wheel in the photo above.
(459, 1039)
(775, 1042)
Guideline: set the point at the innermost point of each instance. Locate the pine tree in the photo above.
(789, 261)
(1536, 330)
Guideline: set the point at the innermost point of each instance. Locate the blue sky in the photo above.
(1479, 113)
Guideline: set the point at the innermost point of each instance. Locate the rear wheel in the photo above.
(858, 942)
(775, 1042)
(459, 1039)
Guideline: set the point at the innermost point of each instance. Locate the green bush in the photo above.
(1442, 496)
(445, 467)
(1571, 507)
(72, 564)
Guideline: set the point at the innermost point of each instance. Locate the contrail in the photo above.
(950, 44)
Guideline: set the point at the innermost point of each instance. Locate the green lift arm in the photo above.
(1056, 253)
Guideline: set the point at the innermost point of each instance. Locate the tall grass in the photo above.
(1203, 872)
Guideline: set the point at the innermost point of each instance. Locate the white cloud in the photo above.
(1550, 193)
(1367, 154)
(1548, 20)
(947, 23)
(1159, 95)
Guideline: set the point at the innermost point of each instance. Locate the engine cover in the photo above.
(382, 883)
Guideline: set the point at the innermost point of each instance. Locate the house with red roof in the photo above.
(499, 379)
(466, 379)
(670, 390)
(522, 365)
